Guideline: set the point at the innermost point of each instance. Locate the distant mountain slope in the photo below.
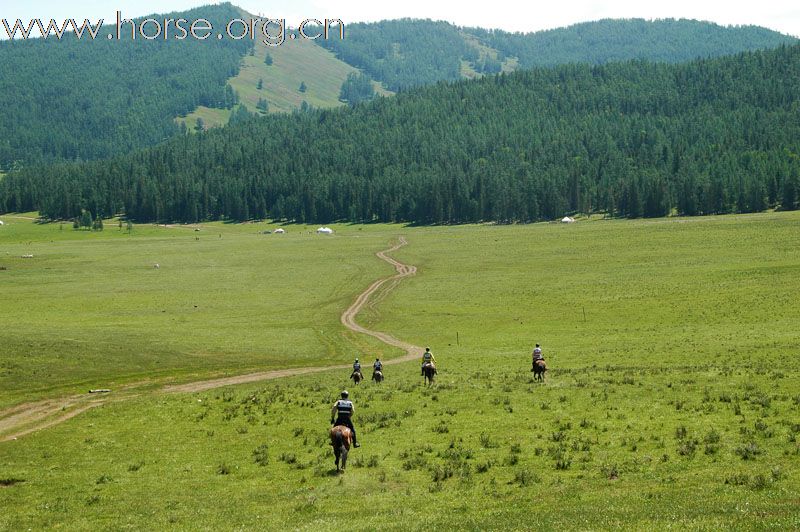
(632, 139)
(406, 53)
(79, 100)
(86, 99)
(668, 40)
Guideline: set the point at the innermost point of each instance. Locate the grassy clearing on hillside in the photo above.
(294, 62)
(90, 309)
(674, 404)
(509, 64)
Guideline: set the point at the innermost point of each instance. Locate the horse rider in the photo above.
(537, 354)
(343, 410)
(427, 358)
(357, 368)
(377, 366)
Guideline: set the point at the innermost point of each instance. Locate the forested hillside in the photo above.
(406, 53)
(668, 40)
(632, 139)
(83, 99)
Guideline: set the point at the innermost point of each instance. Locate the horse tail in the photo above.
(338, 439)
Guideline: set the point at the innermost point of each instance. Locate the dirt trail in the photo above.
(23, 419)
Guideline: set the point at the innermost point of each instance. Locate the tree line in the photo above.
(628, 139)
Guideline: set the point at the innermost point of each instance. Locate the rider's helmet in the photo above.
(356, 360)
(344, 394)
(427, 349)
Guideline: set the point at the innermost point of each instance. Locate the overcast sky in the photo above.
(780, 15)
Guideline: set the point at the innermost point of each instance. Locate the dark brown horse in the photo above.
(357, 377)
(538, 369)
(377, 376)
(428, 371)
(341, 438)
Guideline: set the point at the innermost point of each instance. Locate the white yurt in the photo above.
(279, 231)
(567, 220)
(324, 231)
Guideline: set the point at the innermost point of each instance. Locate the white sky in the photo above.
(780, 15)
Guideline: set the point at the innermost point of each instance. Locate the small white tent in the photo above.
(325, 231)
(1, 222)
(567, 220)
(279, 231)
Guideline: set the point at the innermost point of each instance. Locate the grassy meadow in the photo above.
(89, 310)
(671, 400)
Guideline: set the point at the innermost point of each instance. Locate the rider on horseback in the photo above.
(357, 368)
(427, 358)
(537, 355)
(343, 409)
(377, 366)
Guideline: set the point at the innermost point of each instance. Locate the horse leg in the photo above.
(343, 452)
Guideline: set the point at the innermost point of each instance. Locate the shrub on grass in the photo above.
(737, 479)
(483, 467)
(441, 472)
(711, 437)
(687, 447)
(486, 441)
(441, 428)
(563, 463)
(759, 482)
(261, 455)
(747, 451)
(610, 471)
(288, 458)
(523, 477)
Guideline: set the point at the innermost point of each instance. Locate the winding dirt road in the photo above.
(26, 418)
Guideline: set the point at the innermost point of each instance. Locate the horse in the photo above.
(428, 370)
(538, 369)
(377, 376)
(341, 438)
(357, 377)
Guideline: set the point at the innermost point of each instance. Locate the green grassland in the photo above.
(90, 310)
(671, 403)
(294, 62)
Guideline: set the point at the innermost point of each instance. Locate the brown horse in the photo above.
(341, 438)
(357, 377)
(377, 376)
(538, 369)
(428, 371)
